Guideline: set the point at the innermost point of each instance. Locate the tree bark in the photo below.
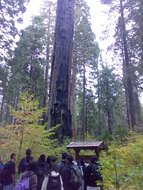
(60, 112)
(128, 71)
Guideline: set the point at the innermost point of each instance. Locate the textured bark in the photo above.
(128, 72)
(60, 86)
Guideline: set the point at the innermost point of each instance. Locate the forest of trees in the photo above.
(55, 86)
(83, 94)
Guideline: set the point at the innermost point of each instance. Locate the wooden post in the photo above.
(77, 154)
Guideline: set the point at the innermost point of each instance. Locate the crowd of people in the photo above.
(47, 174)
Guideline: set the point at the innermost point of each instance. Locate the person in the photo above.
(40, 170)
(62, 163)
(82, 167)
(8, 174)
(52, 180)
(28, 178)
(92, 174)
(1, 170)
(25, 161)
(71, 175)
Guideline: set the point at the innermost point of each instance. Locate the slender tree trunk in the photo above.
(84, 105)
(20, 143)
(1, 112)
(73, 101)
(128, 71)
(46, 97)
(109, 111)
(137, 106)
(60, 112)
(109, 117)
(99, 103)
(126, 92)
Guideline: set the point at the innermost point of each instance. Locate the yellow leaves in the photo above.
(27, 131)
(123, 165)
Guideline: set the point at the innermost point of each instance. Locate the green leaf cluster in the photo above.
(26, 131)
(122, 166)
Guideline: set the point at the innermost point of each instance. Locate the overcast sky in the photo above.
(97, 12)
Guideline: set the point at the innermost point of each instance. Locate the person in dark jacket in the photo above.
(30, 172)
(25, 161)
(1, 169)
(40, 170)
(8, 174)
(92, 174)
(82, 168)
(62, 163)
(67, 174)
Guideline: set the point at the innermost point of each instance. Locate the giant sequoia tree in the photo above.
(61, 69)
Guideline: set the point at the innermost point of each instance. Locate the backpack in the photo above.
(23, 184)
(40, 170)
(94, 174)
(54, 182)
(24, 164)
(75, 178)
(5, 174)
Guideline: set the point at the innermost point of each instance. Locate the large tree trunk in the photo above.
(128, 71)
(61, 69)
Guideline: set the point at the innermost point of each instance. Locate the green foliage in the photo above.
(122, 166)
(27, 66)
(10, 14)
(111, 99)
(27, 132)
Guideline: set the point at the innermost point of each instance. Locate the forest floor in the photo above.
(122, 165)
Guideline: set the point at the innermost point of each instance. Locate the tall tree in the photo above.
(110, 94)
(127, 72)
(10, 14)
(26, 68)
(49, 15)
(61, 68)
(85, 53)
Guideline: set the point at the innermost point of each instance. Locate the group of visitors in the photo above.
(47, 174)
